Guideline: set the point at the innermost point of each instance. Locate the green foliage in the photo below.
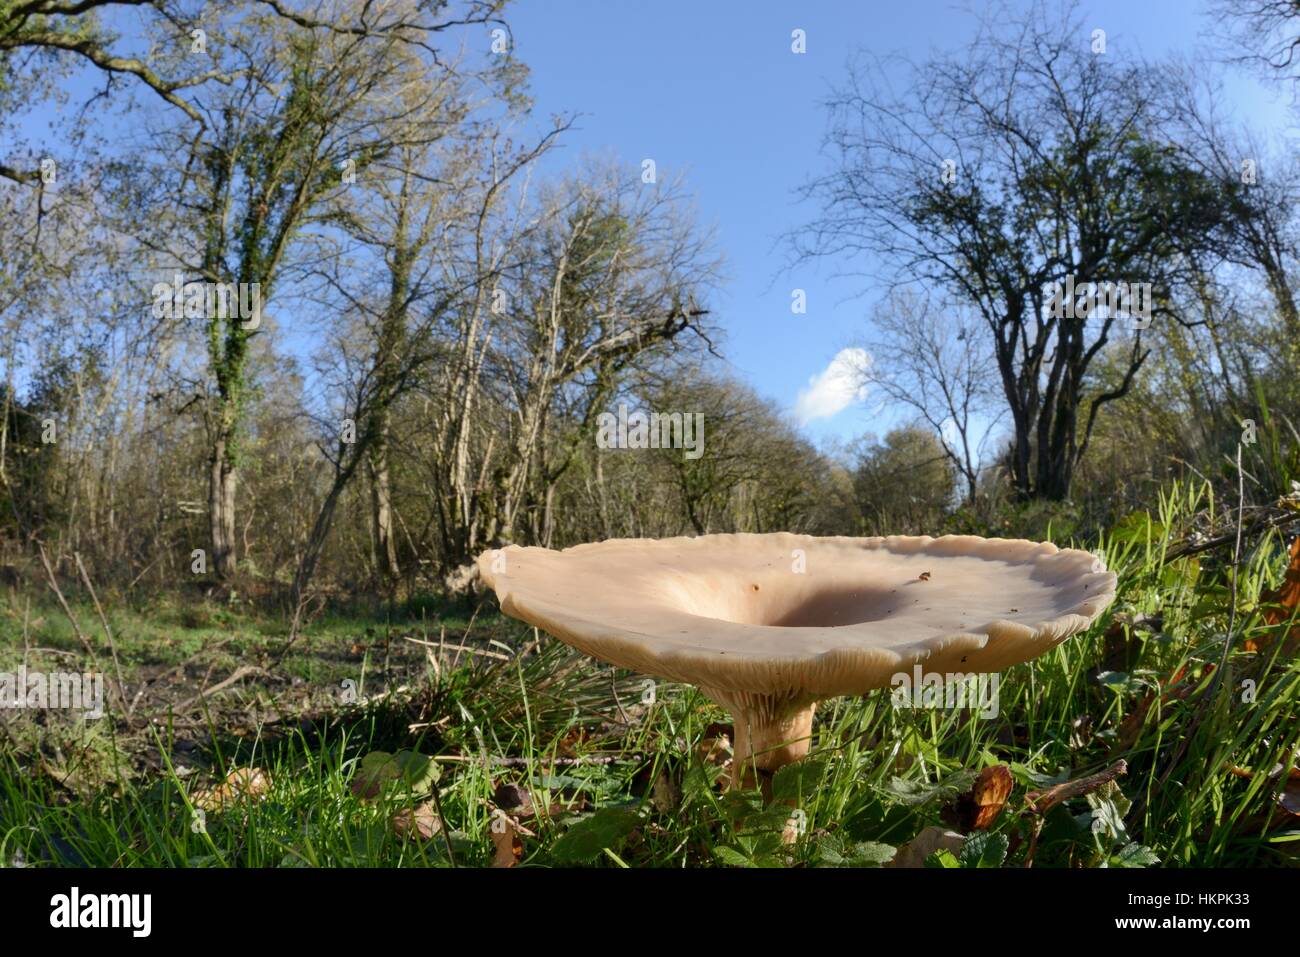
(877, 776)
(834, 851)
(585, 839)
(407, 773)
(984, 849)
(904, 484)
(914, 793)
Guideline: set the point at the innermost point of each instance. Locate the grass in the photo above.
(617, 777)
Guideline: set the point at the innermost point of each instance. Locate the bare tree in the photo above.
(416, 199)
(614, 273)
(1262, 33)
(933, 360)
(309, 106)
(1261, 184)
(1004, 176)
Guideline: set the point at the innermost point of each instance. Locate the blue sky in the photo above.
(713, 89)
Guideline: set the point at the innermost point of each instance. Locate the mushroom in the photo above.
(767, 625)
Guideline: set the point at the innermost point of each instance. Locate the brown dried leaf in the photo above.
(1130, 728)
(250, 782)
(419, 823)
(1288, 799)
(989, 794)
(979, 808)
(1280, 607)
(1177, 688)
(507, 847)
(518, 803)
(715, 747)
(665, 794)
(933, 838)
(573, 742)
(241, 784)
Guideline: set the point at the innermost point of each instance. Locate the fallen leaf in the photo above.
(1288, 799)
(518, 803)
(714, 750)
(933, 838)
(665, 793)
(250, 782)
(419, 823)
(1281, 606)
(241, 784)
(572, 743)
(979, 808)
(1120, 646)
(506, 845)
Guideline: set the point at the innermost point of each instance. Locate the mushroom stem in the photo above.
(771, 732)
(767, 744)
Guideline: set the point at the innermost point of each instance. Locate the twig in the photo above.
(108, 633)
(1040, 802)
(520, 762)
(1236, 574)
(54, 583)
(148, 686)
(27, 642)
(294, 625)
(1210, 694)
(468, 627)
(613, 687)
(1259, 525)
(473, 651)
(141, 575)
(243, 671)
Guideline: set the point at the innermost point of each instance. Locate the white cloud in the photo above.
(835, 388)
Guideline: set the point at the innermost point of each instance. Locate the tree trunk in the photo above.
(320, 531)
(222, 480)
(1020, 453)
(381, 503)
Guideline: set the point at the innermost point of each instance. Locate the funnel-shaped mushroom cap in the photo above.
(781, 613)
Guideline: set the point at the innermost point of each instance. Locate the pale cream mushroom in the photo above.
(767, 625)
